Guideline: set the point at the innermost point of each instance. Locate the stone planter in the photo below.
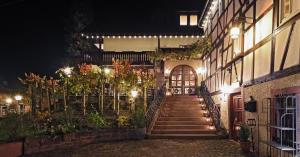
(245, 146)
(12, 149)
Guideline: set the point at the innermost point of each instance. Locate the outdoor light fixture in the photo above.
(67, 71)
(200, 70)
(106, 70)
(134, 93)
(8, 101)
(167, 71)
(18, 97)
(235, 30)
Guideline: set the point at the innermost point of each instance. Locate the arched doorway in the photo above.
(183, 80)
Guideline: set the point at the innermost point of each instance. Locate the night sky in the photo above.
(33, 32)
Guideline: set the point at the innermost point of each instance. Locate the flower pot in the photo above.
(245, 146)
(12, 149)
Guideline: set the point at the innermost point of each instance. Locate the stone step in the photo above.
(203, 122)
(183, 131)
(180, 126)
(183, 136)
(197, 110)
(183, 115)
(182, 119)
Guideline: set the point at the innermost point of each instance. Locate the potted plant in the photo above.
(244, 135)
(139, 121)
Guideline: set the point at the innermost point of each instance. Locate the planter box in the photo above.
(13, 149)
(35, 145)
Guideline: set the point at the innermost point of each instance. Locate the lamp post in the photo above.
(19, 98)
(67, 71)
(134, 94)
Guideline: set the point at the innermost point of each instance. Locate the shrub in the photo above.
(244, 132)
(97, 120)
(14, 127)
(138, 118)
(122, 121)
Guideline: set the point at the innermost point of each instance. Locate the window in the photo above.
(283, 122)
(286, 8)
(183, 20)
(193, 20)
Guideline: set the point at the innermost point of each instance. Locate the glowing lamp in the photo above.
(67, 71)
(8, 100)
(106, 70)
(235, 32)
(134, 93)
(18, 97)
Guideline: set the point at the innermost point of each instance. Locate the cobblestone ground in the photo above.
(153, 148)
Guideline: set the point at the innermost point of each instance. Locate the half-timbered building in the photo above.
(252, 72)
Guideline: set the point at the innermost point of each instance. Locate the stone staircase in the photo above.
(183, 117)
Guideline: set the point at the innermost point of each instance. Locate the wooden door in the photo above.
(183, 80)
(236, 115)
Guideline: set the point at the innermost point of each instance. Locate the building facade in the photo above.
(255, 58)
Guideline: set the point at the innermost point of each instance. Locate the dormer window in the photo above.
(193, 20)
(183, 20)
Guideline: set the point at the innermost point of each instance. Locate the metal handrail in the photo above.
(159, 97)
(213, 109)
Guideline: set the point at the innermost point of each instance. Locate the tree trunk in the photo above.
(145, 99)
(48, 99)
(114, 93)
(99, 101)
(65, 100)
(118, 102)
(84, 102)
(41, 98)
(102, 99)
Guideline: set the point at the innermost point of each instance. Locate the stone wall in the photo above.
(36, 145)
(259, 93)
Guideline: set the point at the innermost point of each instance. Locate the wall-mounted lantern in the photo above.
(250, 105)
(235, 30)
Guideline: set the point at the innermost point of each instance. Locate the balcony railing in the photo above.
(105, 58)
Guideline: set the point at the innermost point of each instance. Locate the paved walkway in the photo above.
(153, 148)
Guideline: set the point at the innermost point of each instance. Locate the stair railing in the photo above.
(153, 109)
(213, 108)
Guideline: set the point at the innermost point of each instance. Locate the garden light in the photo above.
(8, 100)
(18, 97)
(106, 70)
(134, 93)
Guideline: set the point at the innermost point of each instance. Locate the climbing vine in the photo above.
(192, 51)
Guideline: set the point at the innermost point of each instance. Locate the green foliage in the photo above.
(138, 118)
(122, 121)
(45, 124)
(193, 51)
(97, 120)
(14, 127)
(244, 132)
